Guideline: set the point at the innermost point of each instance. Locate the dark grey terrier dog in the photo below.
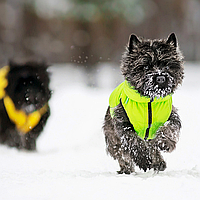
(141, 121)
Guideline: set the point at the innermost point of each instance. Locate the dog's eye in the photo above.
(174, 66)
(167, 67)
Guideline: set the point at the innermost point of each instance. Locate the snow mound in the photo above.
(71, 161)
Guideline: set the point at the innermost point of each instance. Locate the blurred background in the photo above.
(83, 40)
(88, 33)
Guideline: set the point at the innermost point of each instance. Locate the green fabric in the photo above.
(136, 107)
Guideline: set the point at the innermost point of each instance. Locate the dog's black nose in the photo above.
(160, 79)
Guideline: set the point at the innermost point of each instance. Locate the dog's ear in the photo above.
(133, 41)
(12, 63)
(172, 40)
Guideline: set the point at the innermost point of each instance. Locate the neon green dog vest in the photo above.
(137, 109)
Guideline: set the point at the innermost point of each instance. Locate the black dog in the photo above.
(141, 120)
(24, 109)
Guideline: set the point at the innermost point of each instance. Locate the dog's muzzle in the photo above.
(160, 79)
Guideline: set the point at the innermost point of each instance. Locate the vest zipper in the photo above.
(149, 119)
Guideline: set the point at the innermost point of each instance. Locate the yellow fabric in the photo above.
(3, 80)
(24, 122)
(136, 107)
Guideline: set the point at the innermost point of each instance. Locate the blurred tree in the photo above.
(86, 32)
(99, 27)
(11, 29)
(93, 10)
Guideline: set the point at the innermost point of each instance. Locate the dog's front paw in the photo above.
(125, 171)
(166, 145)
(159, 166)
(144, 162)
(164, 140)
(140, 155)
(28, 143)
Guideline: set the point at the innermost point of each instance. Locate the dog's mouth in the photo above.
(32, 102)
(29, 108)
(158, 85)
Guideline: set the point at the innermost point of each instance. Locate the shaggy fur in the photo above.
(28, 87)
(155, 69)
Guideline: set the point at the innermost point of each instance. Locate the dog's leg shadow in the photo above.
(194, 172)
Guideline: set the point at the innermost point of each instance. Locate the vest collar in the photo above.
(24, 122)
(136, 96)
(3, 80)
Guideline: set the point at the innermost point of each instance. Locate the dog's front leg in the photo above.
(131, 144)
(27, 142)
(167, 135)
(158, 163)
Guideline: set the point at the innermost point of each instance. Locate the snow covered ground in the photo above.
(71, 162)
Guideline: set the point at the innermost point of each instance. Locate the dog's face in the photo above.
(153, 67)
(28, 85)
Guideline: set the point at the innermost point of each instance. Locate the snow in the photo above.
(71, 161)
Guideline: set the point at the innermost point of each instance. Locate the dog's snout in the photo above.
(160, 79)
